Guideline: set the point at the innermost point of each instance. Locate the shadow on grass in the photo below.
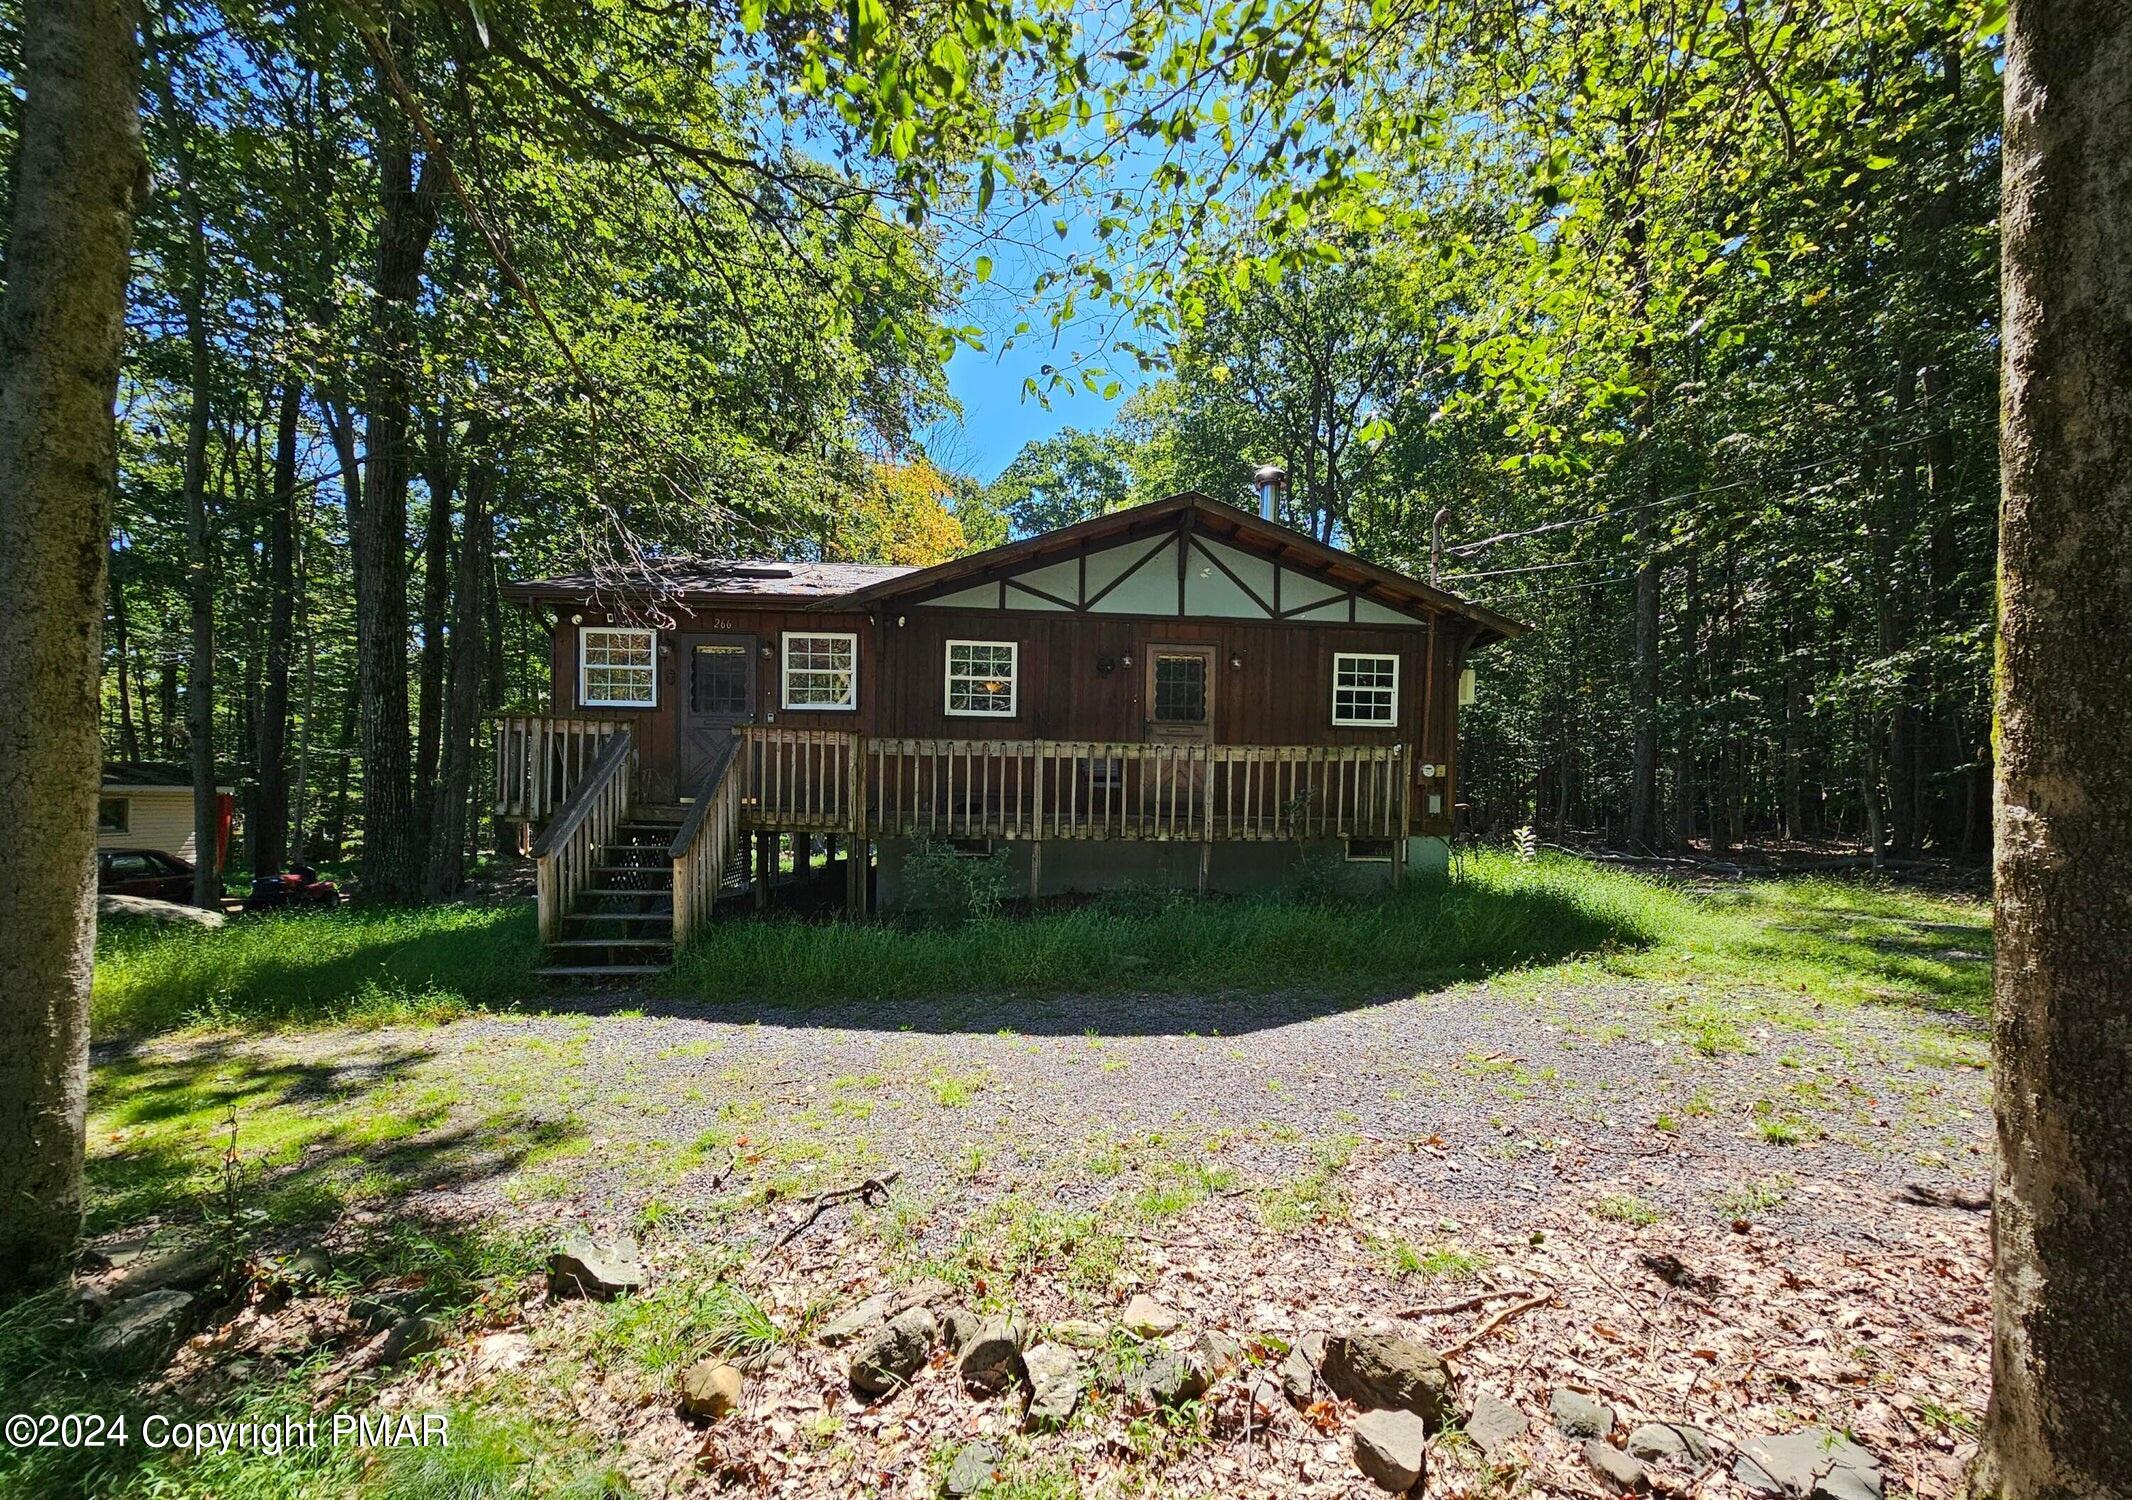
(1161, 965)
(358, 964)
(1879, 944)
(352, 1148)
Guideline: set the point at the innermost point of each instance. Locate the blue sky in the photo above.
(997, 418)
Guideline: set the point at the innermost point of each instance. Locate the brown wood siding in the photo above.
(1280, 694)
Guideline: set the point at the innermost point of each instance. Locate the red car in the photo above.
(143, 872)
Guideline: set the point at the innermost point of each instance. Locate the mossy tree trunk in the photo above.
(79, 174)
(2061, 1406)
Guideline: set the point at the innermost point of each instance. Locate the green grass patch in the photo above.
(1431, 932)
(366, 965)
(1626, 1208)
(1398, 1257)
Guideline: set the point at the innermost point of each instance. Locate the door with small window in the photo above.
(1180, 711)
(717, 695)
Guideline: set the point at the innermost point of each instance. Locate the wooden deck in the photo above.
(578, 776)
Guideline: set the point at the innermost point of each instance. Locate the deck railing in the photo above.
(1071, 789)
(708, 842)
(572, 844)
(540, 759)
(800, 779)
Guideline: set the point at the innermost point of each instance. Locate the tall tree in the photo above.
(2061, 1405)
(392, 862)
(269, 830)
(79, 173)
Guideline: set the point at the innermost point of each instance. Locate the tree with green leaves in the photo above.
(1067, 477)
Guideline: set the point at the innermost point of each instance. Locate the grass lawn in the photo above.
(1843, 940)
(1255, 1109)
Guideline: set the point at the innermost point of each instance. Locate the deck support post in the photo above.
(765, 863)
(1036, 871)
(1206, 865)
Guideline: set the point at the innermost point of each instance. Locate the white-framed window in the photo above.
(821, 670)
(114, 815)
(1365, 689)
(983, 679)
(617, 666)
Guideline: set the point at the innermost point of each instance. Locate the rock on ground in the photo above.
(972, 1470)
(993, 1359)
(1579, 1416)
(139, 1333)
(1817, 1462)
(150, 909)
(1390, 1446)
(1658, 1441)
(1381, 1370)
(893, 1353)
(1167, 1379)
(1055, 1379)
(1620, 1473)
(1214, 1354)
(710, 1388)
(1146, 1318)
(853, 1321)
(1494, 1423)
(1080, 1333)
(1299, 1367)
(958, 1325)
(587, 1266)
(185, 1270)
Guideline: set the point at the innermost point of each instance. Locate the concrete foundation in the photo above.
(1069, 866)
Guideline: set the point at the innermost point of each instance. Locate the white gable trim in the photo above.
(1142, 577)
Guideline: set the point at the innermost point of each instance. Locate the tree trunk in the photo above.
(436, 601)
(391, 865)
(199, 535)
(447, 846)
(129, 740)
(270, 817)
(2060, 1422)
(78, 173)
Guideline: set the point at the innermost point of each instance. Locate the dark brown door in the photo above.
(1180, 694)
(1180, 711)
(717, 693)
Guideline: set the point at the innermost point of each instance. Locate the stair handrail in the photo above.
(568, 848)
(706, 839)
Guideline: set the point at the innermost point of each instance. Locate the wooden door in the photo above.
(1180, 711)
(717, 693)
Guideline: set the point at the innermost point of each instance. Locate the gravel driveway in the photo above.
(1673, 1097)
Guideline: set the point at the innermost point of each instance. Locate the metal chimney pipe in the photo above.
(1436, 544)
(1272, 484)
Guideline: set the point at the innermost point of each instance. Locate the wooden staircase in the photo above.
(621, 923)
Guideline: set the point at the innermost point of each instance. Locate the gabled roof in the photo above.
(140, 775)
(714, 580)
(819, 585)
(1200, 515)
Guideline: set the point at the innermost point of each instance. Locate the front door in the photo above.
(1180, 711)
(1180, 694)
(717, 693)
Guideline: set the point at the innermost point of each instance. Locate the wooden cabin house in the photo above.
(1184, 692)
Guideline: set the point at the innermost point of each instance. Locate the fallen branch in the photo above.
(865, 1192)
(1466, 1304)
(1497, 1320)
